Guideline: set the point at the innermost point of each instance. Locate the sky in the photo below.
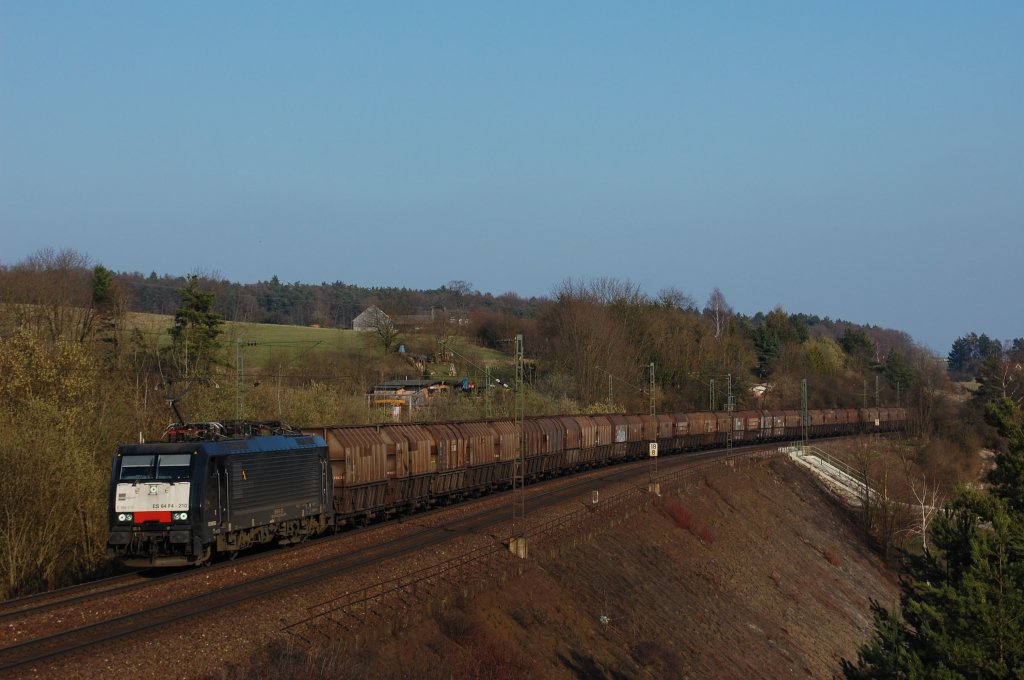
(862, 161)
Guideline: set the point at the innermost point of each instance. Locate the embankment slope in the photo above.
(750, 573)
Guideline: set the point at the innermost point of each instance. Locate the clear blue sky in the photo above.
(856, 160)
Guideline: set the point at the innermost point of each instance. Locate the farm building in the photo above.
(370, 320)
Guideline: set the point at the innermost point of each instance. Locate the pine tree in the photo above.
(888, 654)
(196, 330)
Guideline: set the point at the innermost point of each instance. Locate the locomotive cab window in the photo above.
(173, 467)
(137, 467)
(167, 467)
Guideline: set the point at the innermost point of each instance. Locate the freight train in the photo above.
(214, 489)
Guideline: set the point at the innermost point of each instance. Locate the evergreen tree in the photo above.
(102, 287)
(962, 603)
(196, 330)
(962, 355)
(858, 346)
(1007, 478)
(108, 307)
(898, 371)
(888, 655)
(1015, 352)
(970, 351)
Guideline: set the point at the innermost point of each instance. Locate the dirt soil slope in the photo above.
(752, 573)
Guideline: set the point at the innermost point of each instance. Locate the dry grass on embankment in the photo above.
(746, 574)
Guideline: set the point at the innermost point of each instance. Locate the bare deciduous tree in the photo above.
(719, 312)
(50, 290)
(929, 500)
(385, 329)
(587, 341)
(673, 298)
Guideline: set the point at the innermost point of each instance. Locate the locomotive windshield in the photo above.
(166, 467)
(137, 467)
(172, 467)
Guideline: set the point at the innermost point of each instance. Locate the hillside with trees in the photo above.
(82, 374)
(962, 589)
(962, 601)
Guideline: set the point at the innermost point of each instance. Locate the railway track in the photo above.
(39, 654)
(83, 592)
(121, 585)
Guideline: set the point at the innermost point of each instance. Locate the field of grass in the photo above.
(264, 343)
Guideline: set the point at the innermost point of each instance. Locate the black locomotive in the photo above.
(216, 488)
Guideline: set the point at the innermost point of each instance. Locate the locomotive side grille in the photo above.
(274, 478)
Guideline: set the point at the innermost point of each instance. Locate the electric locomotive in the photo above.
(215, 488)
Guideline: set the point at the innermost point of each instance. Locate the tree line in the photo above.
(333, 305)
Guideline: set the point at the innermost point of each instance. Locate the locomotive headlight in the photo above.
(180, 515)
(122, 517)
